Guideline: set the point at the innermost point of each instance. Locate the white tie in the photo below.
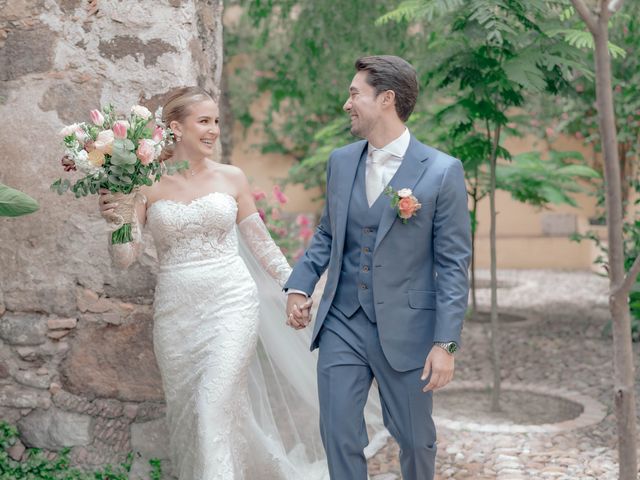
(375, 174)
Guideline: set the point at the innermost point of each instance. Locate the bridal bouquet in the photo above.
(116, 152)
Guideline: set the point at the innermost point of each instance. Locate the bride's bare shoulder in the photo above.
(232, 173)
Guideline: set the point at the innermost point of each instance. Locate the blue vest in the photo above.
(355, 287)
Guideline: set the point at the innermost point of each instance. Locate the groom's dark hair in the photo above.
(388, 72)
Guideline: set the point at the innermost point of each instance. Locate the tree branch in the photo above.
(629, 279)
(589, 19)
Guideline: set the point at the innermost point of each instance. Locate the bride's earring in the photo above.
(178, 138)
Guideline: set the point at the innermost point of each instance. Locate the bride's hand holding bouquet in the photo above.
(117, 154)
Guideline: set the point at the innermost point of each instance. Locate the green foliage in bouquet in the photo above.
(14, 203)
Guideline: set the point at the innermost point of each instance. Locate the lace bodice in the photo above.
(200, 230)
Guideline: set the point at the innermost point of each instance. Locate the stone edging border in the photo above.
(530, 318)
(594, 411)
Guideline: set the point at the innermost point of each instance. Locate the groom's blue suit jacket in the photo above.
(419, 268)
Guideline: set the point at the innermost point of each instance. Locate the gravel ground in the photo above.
(562, 347)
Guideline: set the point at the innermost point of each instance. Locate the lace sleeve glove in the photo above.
(124, 255)
(264, 249)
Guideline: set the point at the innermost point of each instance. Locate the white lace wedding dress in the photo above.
(231, 414)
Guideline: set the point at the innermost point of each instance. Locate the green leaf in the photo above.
(14, 203)
(579, 171)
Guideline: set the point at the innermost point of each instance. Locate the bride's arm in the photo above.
(256, 235)
(125, 254)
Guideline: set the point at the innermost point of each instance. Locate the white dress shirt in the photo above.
(383, 163)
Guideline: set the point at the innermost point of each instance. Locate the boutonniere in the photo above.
(404, 202)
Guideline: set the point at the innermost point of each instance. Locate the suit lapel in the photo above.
(411, 169)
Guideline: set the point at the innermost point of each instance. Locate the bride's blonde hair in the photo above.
(176, 108)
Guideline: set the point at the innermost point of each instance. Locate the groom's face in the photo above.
(363, 105)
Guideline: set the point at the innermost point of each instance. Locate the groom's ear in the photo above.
(388, 98)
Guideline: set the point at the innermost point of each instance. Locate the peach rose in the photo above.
(408, 206)
(146, 151)
(96, 158)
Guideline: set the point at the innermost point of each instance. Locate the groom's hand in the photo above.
(440, 364)
(298, 310)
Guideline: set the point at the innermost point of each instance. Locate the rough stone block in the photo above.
(58, 334)
(23, 328)
(25, 52)
(62, 323)
(32, 379)
(54, 429)
(121, 46)
(113, 362)
(150, 438)
(23, 397)
(16, 451)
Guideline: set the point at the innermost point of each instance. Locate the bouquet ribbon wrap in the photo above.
(124, 226)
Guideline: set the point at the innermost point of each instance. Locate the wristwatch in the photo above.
(450, 347)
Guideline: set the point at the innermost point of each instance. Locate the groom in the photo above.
(397, 289)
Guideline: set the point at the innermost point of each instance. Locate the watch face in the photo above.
(452, 347)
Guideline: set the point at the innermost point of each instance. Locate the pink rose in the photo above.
(146, 152)
(158, 134)
(262, 214)
(549, 131)
(96, 117)
(281, 197)
(303, 220)
(120, 130)
(408, 206)
(305, 234)
(259, 195)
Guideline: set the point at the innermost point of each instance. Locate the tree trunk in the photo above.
(474, 234)
(495, 353)
(619, 300)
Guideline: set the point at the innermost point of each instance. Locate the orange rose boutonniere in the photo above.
(404, 202)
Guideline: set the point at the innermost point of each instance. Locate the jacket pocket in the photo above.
(422, 299)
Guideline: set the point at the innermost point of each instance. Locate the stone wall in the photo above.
(76, 362)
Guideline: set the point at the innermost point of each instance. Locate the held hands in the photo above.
(440, 364)
(298, 310)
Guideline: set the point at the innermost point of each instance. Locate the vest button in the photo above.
(366, 249)
(365, 268)
(363, 286)
(367, 230)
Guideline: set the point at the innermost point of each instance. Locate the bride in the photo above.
(237, 408)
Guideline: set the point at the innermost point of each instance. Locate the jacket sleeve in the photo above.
(452, 252)
(313, 263)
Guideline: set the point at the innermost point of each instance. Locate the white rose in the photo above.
(69, 130)
(104, 141)
(140, 111)
(405, 192)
